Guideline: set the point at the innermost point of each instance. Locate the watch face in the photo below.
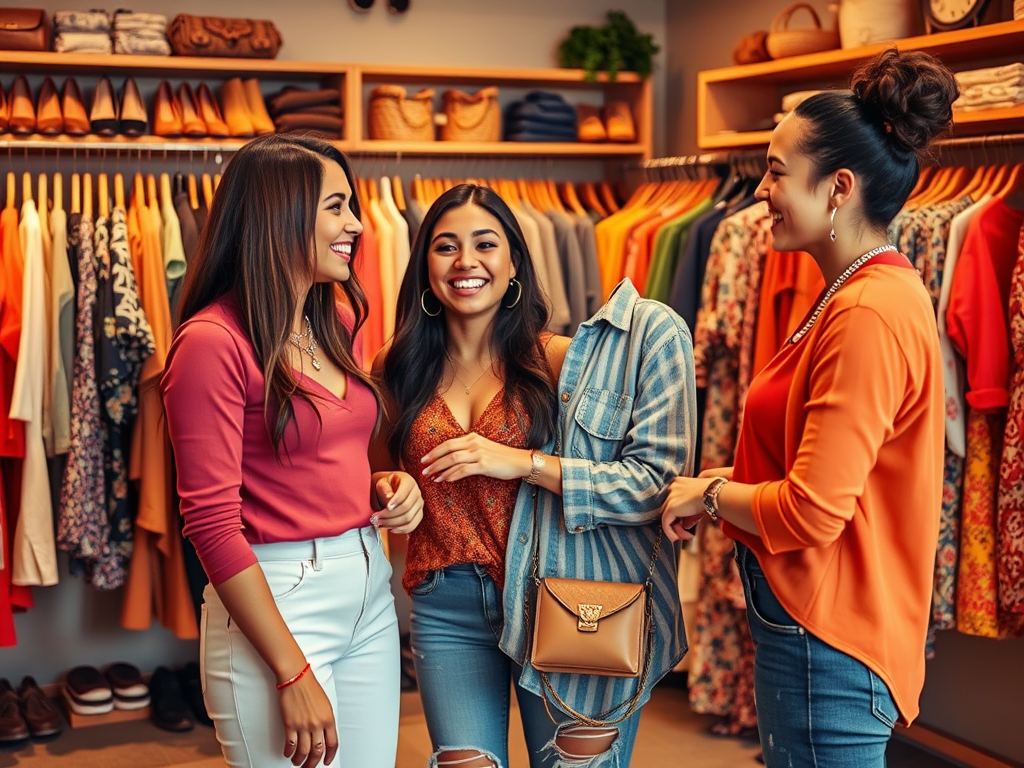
(951, 11)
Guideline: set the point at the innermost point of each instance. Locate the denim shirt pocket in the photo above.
(603, 416)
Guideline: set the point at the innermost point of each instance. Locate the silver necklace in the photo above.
(310, 343)
(470, 386)
(836, 286)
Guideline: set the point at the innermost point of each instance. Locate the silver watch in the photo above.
(539, 463)
(711, 496)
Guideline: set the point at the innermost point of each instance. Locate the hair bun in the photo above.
(911, 94)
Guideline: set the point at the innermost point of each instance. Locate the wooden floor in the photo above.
(670, 735)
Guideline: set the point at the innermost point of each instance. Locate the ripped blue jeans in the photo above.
(465, 679)
(817, 707)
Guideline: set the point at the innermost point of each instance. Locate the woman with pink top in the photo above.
(270, 419)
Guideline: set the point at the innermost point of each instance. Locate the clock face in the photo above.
(951, 11)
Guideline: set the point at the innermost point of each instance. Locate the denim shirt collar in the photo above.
(618, 310)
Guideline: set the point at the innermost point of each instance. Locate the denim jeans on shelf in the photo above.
(465, 680)
(817, 707)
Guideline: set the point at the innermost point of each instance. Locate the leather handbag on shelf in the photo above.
(471, 118)
(395, 116)
(585, 627)
(217, 36)
(24, 29)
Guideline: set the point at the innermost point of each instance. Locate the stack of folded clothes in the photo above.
(81, 32)
(300, 109)
(141, 33)
(992, 88)
(540, 116)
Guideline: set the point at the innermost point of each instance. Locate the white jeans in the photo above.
(335, 596)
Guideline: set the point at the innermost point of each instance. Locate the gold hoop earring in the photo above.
(423, 305)
(518, 295)
(832, 221)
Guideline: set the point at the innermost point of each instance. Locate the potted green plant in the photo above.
(615, 47)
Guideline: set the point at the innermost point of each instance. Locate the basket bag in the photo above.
(24, 29)
(394, 116)
(782, 41)
(583, 627)
(471, 118)
(217, 36)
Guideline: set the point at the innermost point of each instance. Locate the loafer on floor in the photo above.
(12, 725)
(170, 710)
(192, 689)
(41, 714)
(88, 692)
(130, 690)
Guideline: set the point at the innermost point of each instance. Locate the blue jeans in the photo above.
(817, 707)
(465, 679)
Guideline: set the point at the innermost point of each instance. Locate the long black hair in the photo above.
(259, 246)
(414, 364)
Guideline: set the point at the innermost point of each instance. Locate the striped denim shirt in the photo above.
(626, 426)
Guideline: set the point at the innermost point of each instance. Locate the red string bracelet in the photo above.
(295, 679)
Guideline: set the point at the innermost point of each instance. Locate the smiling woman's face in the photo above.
(336, 226)
(469, 261)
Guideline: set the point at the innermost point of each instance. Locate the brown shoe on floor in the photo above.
(12, 724)
(22, 115)
(49, 120)
(41, 714)
(76, 121)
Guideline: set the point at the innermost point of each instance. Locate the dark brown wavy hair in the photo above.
(258, 246)
(415, 361)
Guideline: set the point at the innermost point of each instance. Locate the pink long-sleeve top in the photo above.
(234, 491)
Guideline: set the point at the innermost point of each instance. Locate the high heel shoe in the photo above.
(76, 122)
(103, 115)
(166, 112)
(236, 110)
(261, 121)
(215, 125)
(49, 120)
(133, 110)
(191, 123)
(22, 117)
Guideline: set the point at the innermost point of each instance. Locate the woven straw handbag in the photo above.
(472, 118)
(395, 116)
(783, 41)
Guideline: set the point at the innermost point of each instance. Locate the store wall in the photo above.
(702, 36)
(973, 688)
(73, 624)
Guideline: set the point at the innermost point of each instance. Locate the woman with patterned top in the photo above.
(471, 377)
(267, 409)
(834, 499)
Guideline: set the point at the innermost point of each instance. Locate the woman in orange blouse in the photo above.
(835, 494)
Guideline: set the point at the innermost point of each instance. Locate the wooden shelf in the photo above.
(352, 80)
(497, 148)
(732, 99)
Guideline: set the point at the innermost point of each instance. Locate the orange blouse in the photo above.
(466, 521)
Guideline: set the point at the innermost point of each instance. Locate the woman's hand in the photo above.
(684, 506)
(400, 501)
(309, 730)
(472, 454)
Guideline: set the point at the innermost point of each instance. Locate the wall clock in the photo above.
(944, 15)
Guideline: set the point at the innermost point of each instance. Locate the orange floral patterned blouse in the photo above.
(466, 521)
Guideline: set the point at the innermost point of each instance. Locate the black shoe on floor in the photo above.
(192, 689)
(170, 710)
